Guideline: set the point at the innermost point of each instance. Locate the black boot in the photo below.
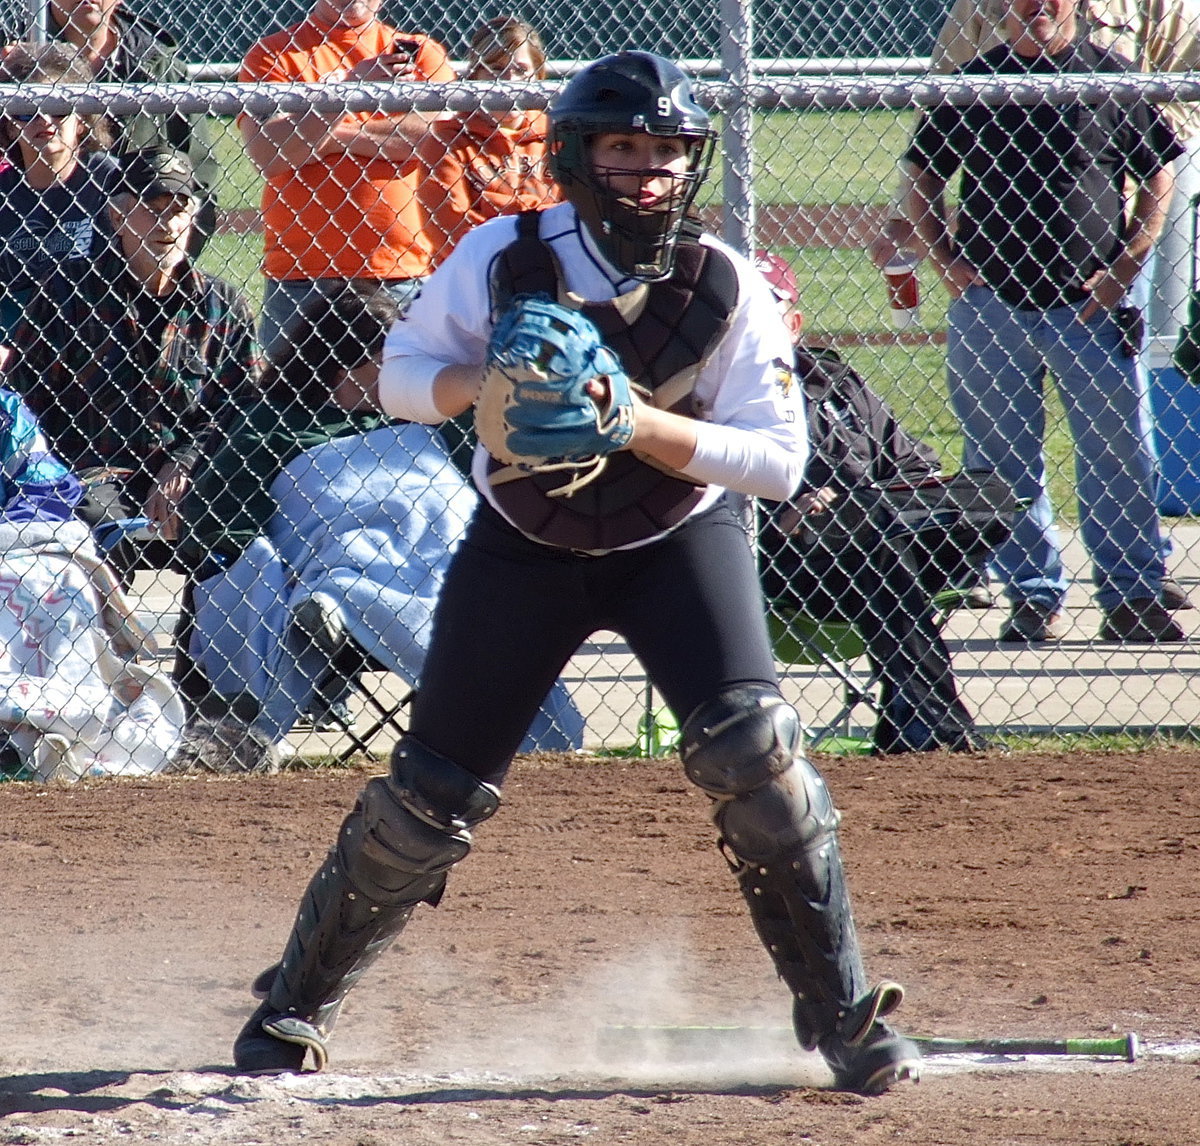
(393, 851)
(337, 935)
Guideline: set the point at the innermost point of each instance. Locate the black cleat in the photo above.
(260, 1048)
(865, 1055)
(882, 1059)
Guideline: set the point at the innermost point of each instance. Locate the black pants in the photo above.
(875, 583)
(512, 612)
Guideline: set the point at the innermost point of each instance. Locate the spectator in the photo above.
(129, 359)
(831, 551)
(317, 501)
(311, 393)
(486, 164)
(340, 201)
(317, 388)
(73, 699)
(1157, 36)
(54, 187)
(121, 46)
(1039, 274)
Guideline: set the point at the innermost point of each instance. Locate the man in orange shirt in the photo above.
(340, 197)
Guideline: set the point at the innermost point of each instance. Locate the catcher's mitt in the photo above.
(534, 410)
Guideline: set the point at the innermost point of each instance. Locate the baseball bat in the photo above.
(698, 1040)
(1113, 1046)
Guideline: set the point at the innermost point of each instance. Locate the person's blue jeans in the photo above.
(1141, 294)
(997, 360)
(283, 298)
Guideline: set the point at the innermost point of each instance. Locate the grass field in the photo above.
(237, 258)
(241, 186)
(800, 157)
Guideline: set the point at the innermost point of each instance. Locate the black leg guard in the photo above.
(393, 851)
(778, 829)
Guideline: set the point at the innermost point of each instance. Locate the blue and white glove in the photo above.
(534, 408)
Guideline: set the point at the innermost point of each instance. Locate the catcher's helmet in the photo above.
(629, 92)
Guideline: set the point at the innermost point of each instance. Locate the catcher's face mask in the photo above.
(630, 147)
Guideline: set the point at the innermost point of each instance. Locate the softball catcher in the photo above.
(626, 370)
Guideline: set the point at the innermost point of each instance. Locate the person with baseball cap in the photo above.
(616, 518)
(130, 358)
(156, 172)
(113, 43)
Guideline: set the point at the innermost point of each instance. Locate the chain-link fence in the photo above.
(224, 32)
(285, 542)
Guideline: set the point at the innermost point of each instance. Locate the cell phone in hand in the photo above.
(406, 44)
(1132, 325)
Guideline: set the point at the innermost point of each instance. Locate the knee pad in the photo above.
(439, 792)
(790, 814)
(413, 825)
(740, 740)
(743, 748)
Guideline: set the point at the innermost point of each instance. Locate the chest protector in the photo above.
(663, 333)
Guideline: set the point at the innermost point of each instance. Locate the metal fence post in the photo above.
(39, 21)
(737, 124)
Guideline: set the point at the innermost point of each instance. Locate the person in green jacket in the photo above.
(320, 384)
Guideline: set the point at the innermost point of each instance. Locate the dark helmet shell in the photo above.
(631, 91)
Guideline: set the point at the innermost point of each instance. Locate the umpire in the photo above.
(620, 522)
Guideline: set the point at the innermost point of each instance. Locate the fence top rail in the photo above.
(834, 93)
(828, 94)
(763, 65)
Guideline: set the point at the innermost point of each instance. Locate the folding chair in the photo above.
(320, 620)
(798, 639)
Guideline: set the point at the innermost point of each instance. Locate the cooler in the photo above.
(1175, 406)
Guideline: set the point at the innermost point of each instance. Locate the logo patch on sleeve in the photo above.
(785, 376)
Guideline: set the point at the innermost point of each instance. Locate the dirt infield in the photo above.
(1019, 894)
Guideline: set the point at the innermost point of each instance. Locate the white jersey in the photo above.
(751, 433)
